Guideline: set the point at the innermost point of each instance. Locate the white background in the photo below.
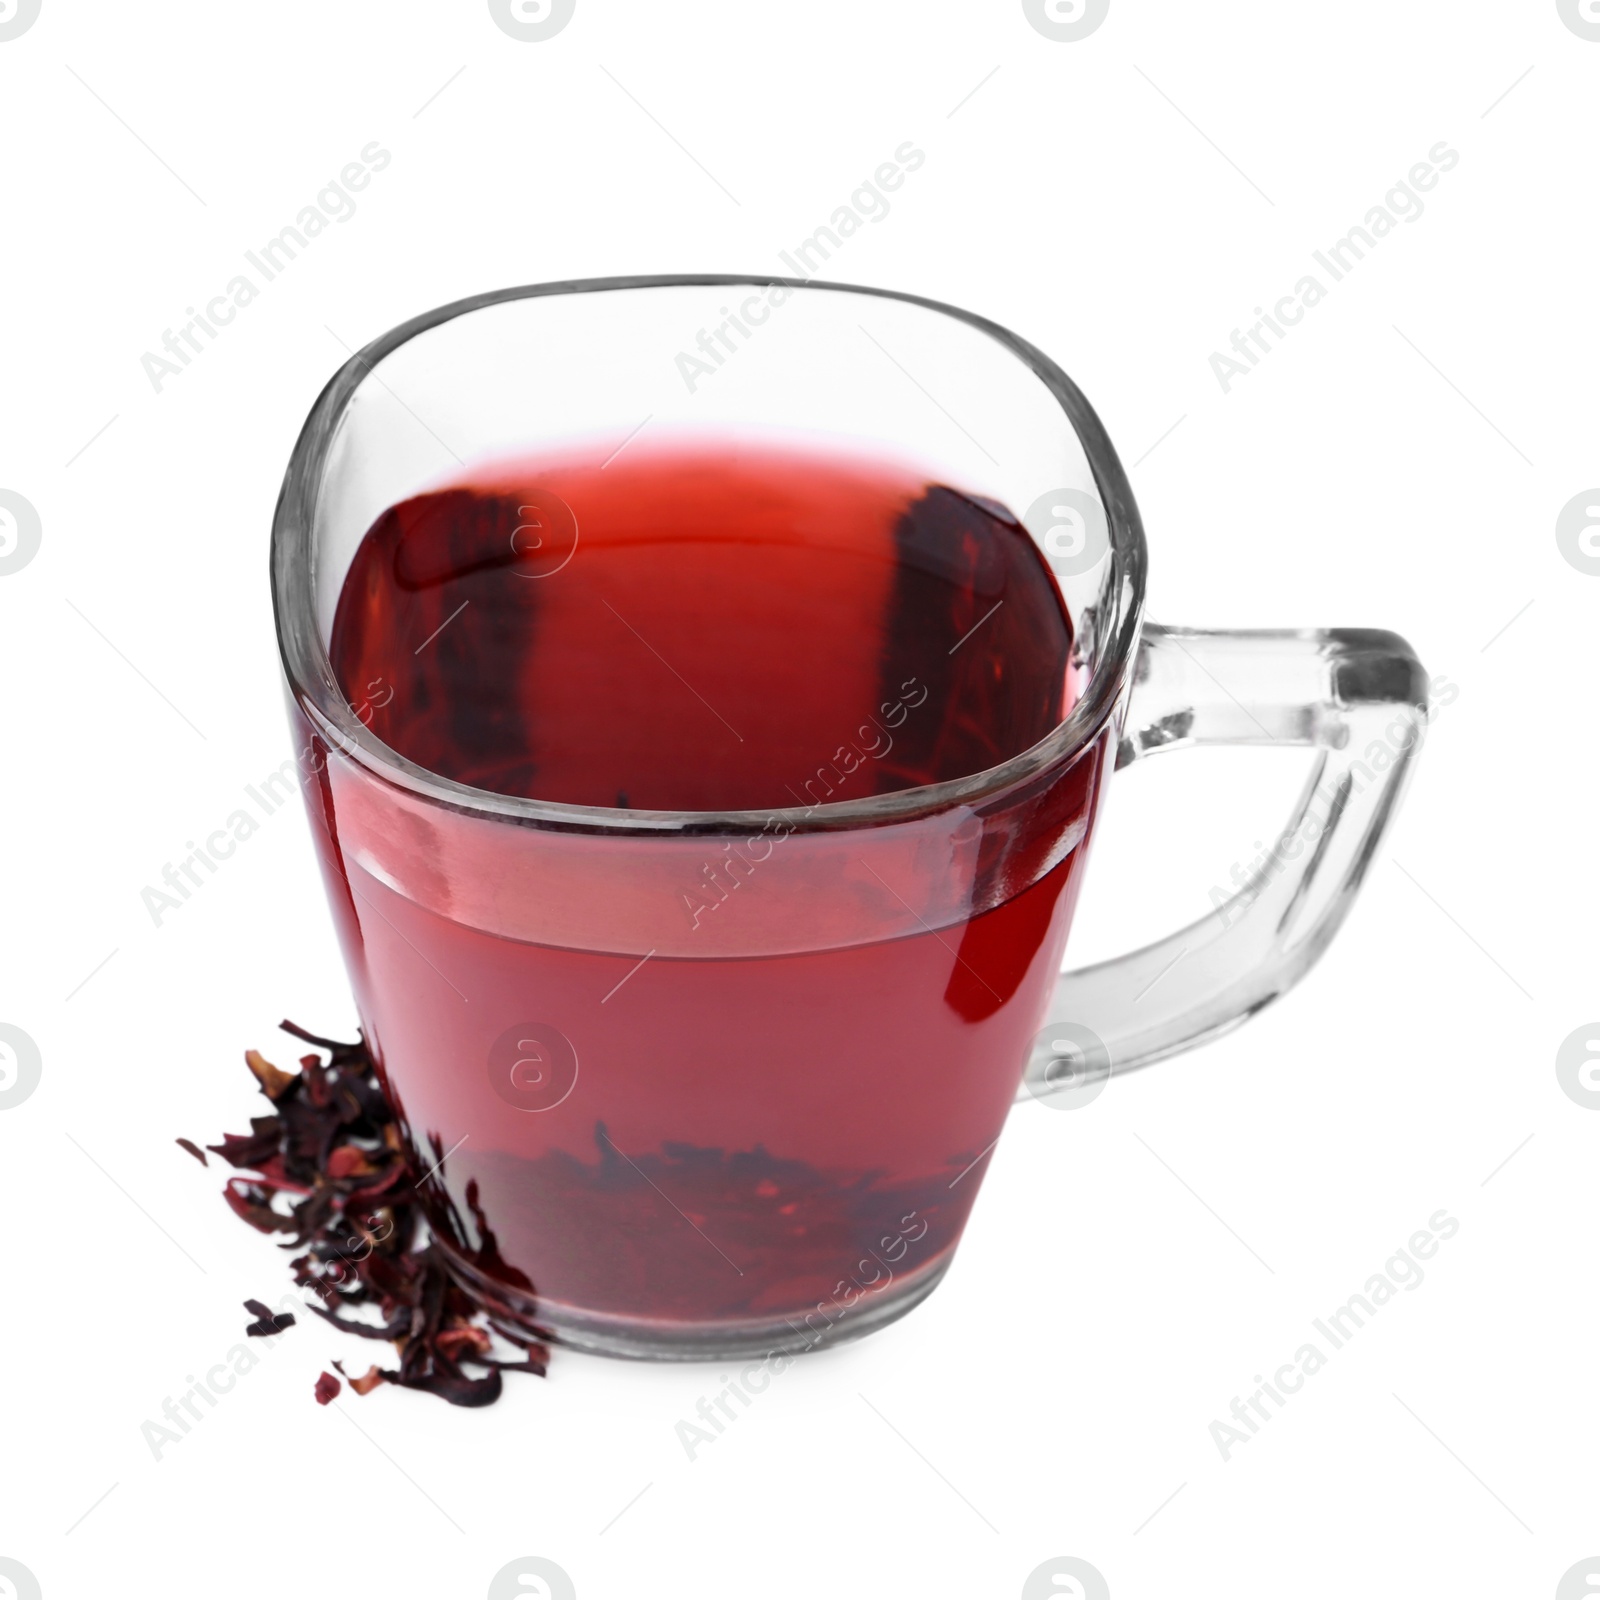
(1399, 462)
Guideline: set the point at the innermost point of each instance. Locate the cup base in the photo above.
(662, 1339)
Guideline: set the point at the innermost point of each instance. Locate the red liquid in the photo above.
(760, 1071)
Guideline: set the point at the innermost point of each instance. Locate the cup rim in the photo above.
(311, 681)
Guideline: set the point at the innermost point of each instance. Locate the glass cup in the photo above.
(660, 1134)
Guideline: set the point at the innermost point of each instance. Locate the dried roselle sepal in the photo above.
(331, 1169)
(246, 1151)
(349, 1161)
(274, 1083)
(252, 1203)
(461, 1340)
(455, 1386)
(268, 1322)
(364, 1384)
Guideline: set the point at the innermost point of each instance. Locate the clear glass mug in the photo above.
(661, 1136)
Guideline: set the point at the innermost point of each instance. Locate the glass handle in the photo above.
(1359, 697)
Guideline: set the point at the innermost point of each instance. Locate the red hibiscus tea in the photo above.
(686, 1085)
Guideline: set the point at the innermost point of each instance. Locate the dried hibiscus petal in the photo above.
(268, 1322)
(332, 1169)
(274, 1083)
(349, 1162)
(366, 1383)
